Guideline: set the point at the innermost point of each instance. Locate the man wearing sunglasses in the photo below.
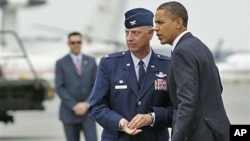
(75, 76)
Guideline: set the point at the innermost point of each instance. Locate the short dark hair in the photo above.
(175, 10)
(74, 34)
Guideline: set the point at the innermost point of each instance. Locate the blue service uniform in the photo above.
(116, 95)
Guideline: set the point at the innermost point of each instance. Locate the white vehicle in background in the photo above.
(235, 67)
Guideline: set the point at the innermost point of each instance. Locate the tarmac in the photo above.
(45, 125)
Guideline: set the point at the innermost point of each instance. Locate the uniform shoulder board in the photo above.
(115, 55)
(163, 57)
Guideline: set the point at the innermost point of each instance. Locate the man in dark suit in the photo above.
(194, 82)
(75, 76)
(129, 99)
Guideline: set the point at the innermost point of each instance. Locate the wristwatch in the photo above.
(152, 118)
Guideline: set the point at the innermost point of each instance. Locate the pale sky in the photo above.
(209, 20)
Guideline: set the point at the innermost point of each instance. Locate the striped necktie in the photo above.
(78, 66)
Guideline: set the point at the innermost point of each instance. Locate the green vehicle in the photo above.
(18, 94)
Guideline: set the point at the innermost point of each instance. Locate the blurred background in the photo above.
(33, 36)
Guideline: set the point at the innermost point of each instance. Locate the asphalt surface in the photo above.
(45, 125)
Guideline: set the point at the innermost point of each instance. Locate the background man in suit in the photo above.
(194, 82)
(128, 105)
(75, 76)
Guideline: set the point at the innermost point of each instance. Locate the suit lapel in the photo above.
(84, 65)
(170, 76)
(71, 65)
(185, 36)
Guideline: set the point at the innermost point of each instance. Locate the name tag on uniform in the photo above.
(121, 87)
(161, 84)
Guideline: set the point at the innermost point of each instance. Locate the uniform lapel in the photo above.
(149, 76)
(129, 73)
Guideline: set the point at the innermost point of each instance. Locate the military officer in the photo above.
(129, 99)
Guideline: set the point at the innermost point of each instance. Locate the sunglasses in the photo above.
(76, 42)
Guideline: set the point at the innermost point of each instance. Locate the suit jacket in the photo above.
(195, 89)
(73, 88)
(116, 95)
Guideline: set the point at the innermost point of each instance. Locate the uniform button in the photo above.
(139, 103)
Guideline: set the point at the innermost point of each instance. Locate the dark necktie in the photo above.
(141, 73)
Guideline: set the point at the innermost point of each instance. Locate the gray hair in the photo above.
(147, 28)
